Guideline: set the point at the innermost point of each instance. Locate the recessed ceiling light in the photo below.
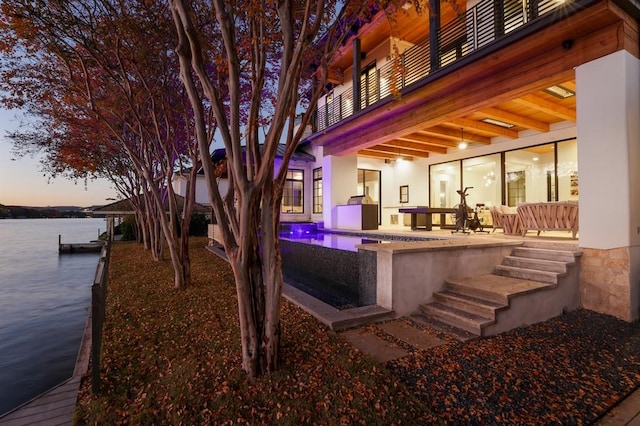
(498, 123)
(535, 158)
(560, 92)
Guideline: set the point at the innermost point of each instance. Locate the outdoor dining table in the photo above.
(428, 212)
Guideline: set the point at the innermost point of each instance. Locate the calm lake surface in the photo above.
(44, 303)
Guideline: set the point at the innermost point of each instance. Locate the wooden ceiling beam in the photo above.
(416, 146)
(398, 151)
(428, 140)
(456, 135)
(480, 126)
(367, 153)
(517, 119)
(383, 155)
(549, 107)
(335, 76)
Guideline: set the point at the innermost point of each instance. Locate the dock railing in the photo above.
(98, 308)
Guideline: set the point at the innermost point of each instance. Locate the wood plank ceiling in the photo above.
(536, 111)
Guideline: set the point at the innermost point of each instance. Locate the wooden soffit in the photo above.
(407, 24)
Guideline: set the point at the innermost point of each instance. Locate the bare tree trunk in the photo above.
(273, 279)
(246, 263)
(187, 213)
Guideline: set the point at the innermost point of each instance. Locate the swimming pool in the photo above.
(330, 240)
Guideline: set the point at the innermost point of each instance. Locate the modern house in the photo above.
(531, 101)
(545, 94)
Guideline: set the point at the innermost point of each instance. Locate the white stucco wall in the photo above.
(202, 194)
(608, 110)
(339, 182)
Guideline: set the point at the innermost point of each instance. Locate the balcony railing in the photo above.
(480, 26)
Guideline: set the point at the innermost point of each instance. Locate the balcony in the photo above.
(479, 28)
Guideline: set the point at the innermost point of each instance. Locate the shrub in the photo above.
(198, 225)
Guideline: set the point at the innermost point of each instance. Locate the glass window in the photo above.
(527, 175)
(483, 174)
(445, 181)
(369, 85)
(568, 188)
(317, 190)
(404, 194)
(516, 188)
(293, 192)
(369, 184)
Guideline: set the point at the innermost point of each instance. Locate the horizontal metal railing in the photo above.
(478, 27)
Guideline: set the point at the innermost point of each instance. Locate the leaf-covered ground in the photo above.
(569, 370)
(172, 357)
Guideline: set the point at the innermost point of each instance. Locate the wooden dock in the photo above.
(91, 247)
(52, 408)
(56, 406)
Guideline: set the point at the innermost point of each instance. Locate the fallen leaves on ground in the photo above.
(568, 370)
(173, 357)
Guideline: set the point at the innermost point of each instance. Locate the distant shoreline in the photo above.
(62, 212)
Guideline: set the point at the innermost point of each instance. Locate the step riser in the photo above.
(527, 263)
(477, 293)
(558, 256)
(551, 246)
(458, 334)
(450, 319)
(526, 275)
(465, 305)
(356, 322)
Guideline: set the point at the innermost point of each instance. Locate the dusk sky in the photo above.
(22, 182)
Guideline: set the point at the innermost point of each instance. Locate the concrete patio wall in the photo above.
(409, 273)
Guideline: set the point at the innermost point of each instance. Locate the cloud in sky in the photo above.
(22, 181)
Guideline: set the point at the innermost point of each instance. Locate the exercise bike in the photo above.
(461, 217)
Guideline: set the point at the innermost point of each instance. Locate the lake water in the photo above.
(44, 303)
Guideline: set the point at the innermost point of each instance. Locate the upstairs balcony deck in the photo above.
(481, 29)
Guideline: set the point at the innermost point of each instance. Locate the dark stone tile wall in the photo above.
(367, 263)
(338, 277)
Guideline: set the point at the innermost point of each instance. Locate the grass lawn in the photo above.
(173, 357)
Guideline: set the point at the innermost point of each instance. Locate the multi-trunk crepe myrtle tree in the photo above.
(103, 79)
(251, 62)
(245, 69)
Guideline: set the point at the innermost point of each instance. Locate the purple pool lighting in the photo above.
(334, 241)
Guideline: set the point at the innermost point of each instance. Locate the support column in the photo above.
(608, 111)
(434, 34)
(339, 182)
(357, 73)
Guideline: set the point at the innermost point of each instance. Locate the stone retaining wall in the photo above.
(607, 282)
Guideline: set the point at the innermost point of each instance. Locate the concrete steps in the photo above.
(457, 318)
(477, 304)
(527, 274)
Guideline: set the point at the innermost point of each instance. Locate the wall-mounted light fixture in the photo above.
(462, 144)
